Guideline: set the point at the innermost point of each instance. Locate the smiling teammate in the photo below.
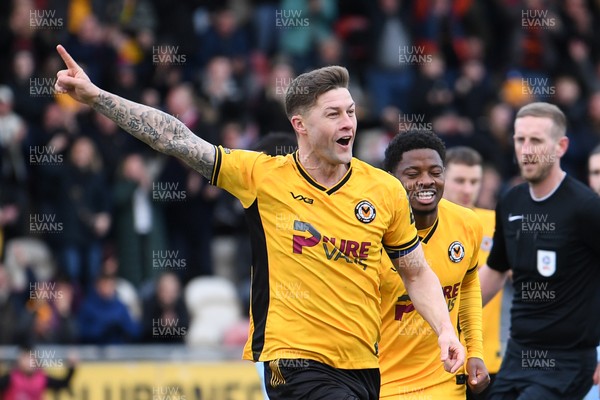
(450, 236)
(319, 221)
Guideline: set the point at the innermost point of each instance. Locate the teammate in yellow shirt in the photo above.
(464, 172)
(319, 222)
(450, 236)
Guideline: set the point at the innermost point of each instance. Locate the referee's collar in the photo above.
(546, 197)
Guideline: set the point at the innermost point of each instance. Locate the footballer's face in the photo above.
(463, 183)
(536, 147)
(594, 172)
(326, 131)
(421, 172)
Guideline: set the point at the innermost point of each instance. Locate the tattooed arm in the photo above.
(161, 131)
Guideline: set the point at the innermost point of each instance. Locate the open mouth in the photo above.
(344, 141)
(425, 195)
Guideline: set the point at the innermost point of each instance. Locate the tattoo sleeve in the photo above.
(159, 130)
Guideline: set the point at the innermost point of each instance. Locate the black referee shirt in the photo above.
(553, 249)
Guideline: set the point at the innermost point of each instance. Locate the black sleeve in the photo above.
(497, 259)
(589, 223)
(61, 383)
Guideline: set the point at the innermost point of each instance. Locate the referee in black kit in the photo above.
(548, 234)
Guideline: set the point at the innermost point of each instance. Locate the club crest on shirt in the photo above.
(456, 251)
(364, 211)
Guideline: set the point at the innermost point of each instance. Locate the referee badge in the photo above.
(364, 211)
(456, 251)
(546, 262)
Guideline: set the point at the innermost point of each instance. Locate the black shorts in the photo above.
(291, 379)
(533, 374)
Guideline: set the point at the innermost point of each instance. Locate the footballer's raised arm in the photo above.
(161, 131)
(425, 292)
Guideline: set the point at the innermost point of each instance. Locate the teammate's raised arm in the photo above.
(161, 131)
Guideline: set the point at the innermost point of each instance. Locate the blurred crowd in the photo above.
(100, 236)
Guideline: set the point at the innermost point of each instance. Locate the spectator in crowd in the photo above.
(220, 91)
(473, 89)
(47, 159)
(264, 27)
(304, 23)
(90, 44)
(225, 38)
(139, 223)
(24, 69)
(112, 146)
(103, 318)
(48, 316)
(440, 27)
(28, 380)
(83, 207)
(594, 169)
(196, 198)
(391, 74)
(10, 213)
(10, 308)
(165, 309)
(13, 132)
(268, 109)
(433, 95)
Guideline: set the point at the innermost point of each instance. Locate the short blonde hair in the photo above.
(546, 110)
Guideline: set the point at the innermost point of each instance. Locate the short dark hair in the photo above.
(412, 140)
(595, 150)
(277, 143)
(306, 88)
(463, 155)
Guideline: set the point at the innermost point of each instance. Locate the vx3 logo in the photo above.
(307, 200)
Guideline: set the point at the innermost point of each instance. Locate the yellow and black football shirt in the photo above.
(316, 255)
(409, 351)
(492, 312)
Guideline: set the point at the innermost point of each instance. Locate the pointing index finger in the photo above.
(69, 62)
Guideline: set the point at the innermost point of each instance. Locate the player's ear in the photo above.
(562, 146)
(298, 124)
